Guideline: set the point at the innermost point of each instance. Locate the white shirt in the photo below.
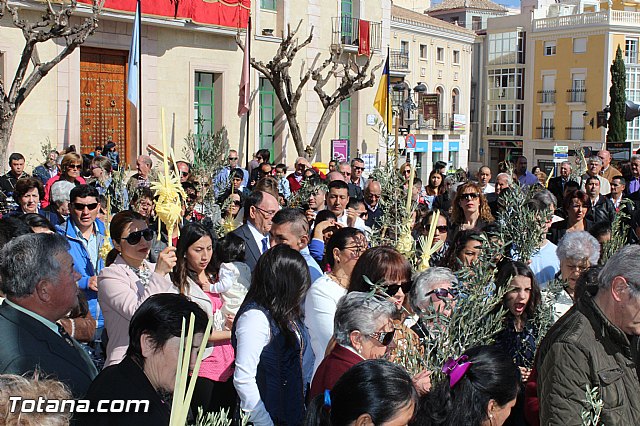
(489, 189)
(342, 220)
(545, 264)
(252, 334)
(320, 308)
(257, 236)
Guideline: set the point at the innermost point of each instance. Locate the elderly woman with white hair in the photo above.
(577, 251)
(57, 211)
(363, 329)
(433, 295)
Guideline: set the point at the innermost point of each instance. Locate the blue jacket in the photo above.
(82, 264)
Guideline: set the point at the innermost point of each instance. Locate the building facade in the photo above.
(433, 59)
(191, 69)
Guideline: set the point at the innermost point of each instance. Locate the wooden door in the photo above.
(104, 113)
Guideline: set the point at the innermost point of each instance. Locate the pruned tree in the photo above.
(55, 24)
(344, 68)
(617, 126)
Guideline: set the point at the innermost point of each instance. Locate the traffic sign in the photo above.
(411, 141)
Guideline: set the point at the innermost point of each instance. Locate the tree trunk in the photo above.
(6, 126)
(322, 125)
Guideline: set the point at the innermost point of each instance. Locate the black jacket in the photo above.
(602, 211)
(28, 344)
(252, 253)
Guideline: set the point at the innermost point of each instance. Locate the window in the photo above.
(404, 46)
(506, 48)
(455, 100)
(633, 94)
(505, 120)
(453, 159)
(267, 114)
(203, 103)
(506, 84)
(456, 57)
(549, 48)
(547, 129)
(268, 4)
(440, 54)
(476, 23)
(580, 45)
(346, 22)
(344, 119)
(578, 87)
(424, 51)
(631, 50)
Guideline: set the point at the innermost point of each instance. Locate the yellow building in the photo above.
(433, 59)
(192, 71)
(573, 46)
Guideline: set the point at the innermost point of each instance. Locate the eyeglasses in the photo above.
(363, 214)
(80, 206)
(359, 168)
(578, 268)
(74, 166)
(346, 173)
(135, 237)
(383, 337)
(232, 158)
(407, 171)
(443, 293)
(469, 196)
(184, 174)
(237, 203)
(266, 212)
(357, 250)
(392, 289)
(442, 228)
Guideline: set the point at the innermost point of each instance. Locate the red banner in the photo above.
(224, 13)
(364, 46)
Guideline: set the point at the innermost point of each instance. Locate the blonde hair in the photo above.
(70, 158)
(32, 388)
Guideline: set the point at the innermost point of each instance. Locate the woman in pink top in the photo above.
(193, 276)
(70, 169)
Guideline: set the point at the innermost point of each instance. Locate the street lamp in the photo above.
(408, 105)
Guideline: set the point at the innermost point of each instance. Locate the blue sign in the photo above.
(454, 146)
(423, 146)
(437, 147)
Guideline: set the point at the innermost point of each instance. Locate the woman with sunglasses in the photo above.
(390, 273)
(102, 179)
(341, 254)
(518, 338)
(128, 279)
(70, 169)
(470, 209)
(364, 329)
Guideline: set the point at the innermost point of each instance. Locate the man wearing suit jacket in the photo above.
(259, 209)
(39, 280)
(557, 184)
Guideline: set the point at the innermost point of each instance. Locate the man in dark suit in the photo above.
(38, 278)
(556, 185)
(601, 208)
(259, 209)
(372, 195)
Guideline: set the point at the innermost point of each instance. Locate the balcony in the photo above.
(399, 60)
(591, 19)
(439, 122)
(547, 96)
(576, 95)
(346, 33)
(504, 129)
(575, 133)
(545, 132)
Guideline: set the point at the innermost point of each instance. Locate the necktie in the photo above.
(63, 333)
(69, 340)
(265, 244)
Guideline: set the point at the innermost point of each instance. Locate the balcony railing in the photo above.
(547, 96)
(576, 95)
(602, 17)
(575, 133)
(504, 129)
(346, 32)
(545, 132)
(439, 122)
(399, 60)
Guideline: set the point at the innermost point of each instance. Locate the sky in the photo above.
(509, 3)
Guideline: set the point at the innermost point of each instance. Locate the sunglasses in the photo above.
(232, 158)
(135, 237)
(442, 228)
(80, 206)
(346, 173)
(358, 168)
(443, 293)
(74, 166)
(383, 337)
(236, 203)
(363, 214)
(470, 196)
(184, 174)
(392, 289)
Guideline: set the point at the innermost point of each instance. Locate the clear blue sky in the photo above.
(509, 3)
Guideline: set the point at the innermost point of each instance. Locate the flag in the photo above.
(363, 38)
(133, 83)
(381, 102)
(245, 87)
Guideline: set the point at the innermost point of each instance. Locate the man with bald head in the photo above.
(608, 171)
(484, 176)
(372, 194)
(335, 175)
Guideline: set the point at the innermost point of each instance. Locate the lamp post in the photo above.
(407, 104)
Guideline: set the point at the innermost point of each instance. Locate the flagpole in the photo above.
(248, 46)
(139, 5)
(386, 112)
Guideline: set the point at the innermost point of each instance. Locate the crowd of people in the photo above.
(312, 322)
